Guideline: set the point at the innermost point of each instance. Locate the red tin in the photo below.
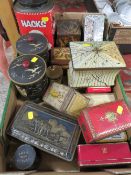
(103, 154)
(98, 89)
(104, 120)
(36, 17)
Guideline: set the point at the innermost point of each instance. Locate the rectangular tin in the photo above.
(104, 154)
(104, 120)
(46, 129)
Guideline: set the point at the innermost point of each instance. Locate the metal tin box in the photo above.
(28, 72)
(47, 130)
(67, 31)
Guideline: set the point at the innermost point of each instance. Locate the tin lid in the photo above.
(32, 43)
(24, 157)
(46, 6)
(54, 72)
(27, 69)
(32, 2)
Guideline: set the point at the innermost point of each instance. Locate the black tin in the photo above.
(33, 43)
(46, 129)
(28, 72)
(33, 6)
(25, 158)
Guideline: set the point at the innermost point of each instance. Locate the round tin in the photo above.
(25, 157)
(55, 73)
(32, 3)
(28, 72)
(33, 43)
(36, 16)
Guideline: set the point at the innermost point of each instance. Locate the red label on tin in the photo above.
(42, 22)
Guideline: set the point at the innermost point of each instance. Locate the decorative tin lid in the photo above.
(24, 157)
(32, 43)
(27, 69)
(92, 55)
(41, 7)
(68, 27)
(54, 72)
(32, 2)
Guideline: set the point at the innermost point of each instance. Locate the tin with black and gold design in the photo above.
(67, 31)
(28, 73)
(33, 43)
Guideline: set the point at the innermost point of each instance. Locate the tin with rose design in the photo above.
(28, 73)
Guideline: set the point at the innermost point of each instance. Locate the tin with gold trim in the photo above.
(33, 43)
(28, 73)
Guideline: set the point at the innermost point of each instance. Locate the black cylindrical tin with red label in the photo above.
(28, 73)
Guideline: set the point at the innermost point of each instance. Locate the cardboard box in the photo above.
(48, 162)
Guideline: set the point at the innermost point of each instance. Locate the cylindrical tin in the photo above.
(55, 73)
(35, 16)
(25, 157)
(33, 43)
(28, 72)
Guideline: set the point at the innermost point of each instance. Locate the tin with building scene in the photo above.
(28, 73)
(33, 43)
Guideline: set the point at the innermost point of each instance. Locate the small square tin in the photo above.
(61, 56)
(65, 99)
(67, 31)
(46, 129)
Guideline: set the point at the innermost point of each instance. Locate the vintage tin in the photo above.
(46, 129)
(55, 73)
(33, 43)
(61, 56)
(65, 99)
(94, 27)
(25, 157)
(28, 72)
(122, 37)
(67, 31)
(104, 120)
(104, 154)
(35, 16)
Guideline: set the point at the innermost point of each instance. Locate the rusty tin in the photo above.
(28, 73)
(46, 129)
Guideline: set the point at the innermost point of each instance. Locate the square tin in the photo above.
(46, 129)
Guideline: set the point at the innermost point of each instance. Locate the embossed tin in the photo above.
(67, 31)
(94, 27)
(33, 43)
(104, 120)
(60, 56)
(28, 72)
(46, 129)
(25, 157)
(65, 99)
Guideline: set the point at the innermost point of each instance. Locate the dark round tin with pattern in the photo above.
(25, 157)
(28, 72)
(33, 43)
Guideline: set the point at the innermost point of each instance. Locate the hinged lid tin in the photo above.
(47, 130)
